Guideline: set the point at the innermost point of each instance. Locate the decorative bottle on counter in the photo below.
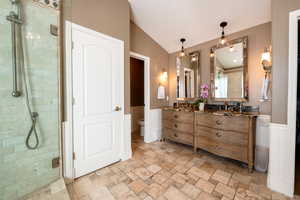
(201, 106)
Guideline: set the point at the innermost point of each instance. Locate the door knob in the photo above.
(118, 108)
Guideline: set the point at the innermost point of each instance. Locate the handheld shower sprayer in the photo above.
(18, 63)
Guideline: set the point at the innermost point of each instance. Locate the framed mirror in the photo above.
(188, 76)
(229, 71)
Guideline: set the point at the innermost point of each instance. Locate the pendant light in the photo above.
(182, 53)
(223, 38)
(212, 54)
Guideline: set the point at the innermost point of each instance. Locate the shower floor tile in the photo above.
(55, 191)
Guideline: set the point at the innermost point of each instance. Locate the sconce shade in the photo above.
(194, 59)
(212, 54)
(164, 77)
(266, 56)
(182, 54)
(223, 41)
(266, 61)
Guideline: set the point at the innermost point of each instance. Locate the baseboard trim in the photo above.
(126, 153)
(68, 180)
(154, 126)
(281, 169)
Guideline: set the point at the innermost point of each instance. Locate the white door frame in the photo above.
(147, 134)
(68, 162)
(68, 141)
(292, 91)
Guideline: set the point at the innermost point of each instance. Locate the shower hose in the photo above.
(33, 115)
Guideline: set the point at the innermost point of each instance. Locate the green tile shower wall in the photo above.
(23, 171)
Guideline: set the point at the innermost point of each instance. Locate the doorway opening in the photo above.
(297, 156)
(137, 114)
(137, 101)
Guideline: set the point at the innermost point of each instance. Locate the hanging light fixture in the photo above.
(182, 53)
(223, 38)
(212, 54)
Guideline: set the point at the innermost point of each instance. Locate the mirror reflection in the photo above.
(229, 68)
(188, 75)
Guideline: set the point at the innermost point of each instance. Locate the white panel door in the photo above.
(98, 89)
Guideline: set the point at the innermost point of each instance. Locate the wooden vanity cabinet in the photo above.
(227, 136)
(178, 126)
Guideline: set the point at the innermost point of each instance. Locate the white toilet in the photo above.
(142, 129)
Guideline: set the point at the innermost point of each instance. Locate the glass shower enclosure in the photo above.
(29, 96)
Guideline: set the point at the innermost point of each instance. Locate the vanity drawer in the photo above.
(228, 137)
(178, 136)
(228, 123)
(184, 117)
(222, 149)
(186, 128)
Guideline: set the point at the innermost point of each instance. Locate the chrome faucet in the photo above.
(240, 104)
(226, 105)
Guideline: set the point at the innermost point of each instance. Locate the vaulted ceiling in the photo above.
(166, 21)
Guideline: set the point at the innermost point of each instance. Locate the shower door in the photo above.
(24, 170)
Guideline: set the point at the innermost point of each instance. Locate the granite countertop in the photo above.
(214, 112)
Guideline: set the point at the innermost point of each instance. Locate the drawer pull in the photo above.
(175, 116)
(175, 135)
(218, 122)
(218, 134)
(175, 125)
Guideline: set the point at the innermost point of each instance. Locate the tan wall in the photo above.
(137, 114)
(280, 43)
(259, 38)
(111, 17)
(142, 44)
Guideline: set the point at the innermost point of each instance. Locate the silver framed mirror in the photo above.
(229, 71)
(188, 76)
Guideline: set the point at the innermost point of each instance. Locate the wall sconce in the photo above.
(164, 76)
(266, 60)
(161, 91)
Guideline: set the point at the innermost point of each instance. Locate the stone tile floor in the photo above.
(54, 191)
(169, 171)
